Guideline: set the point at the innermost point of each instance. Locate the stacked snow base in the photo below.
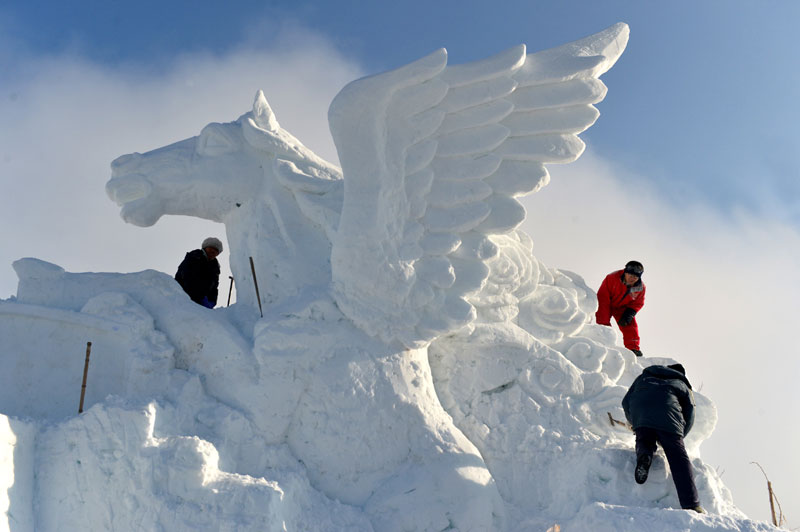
(154, 450)
(208, 420)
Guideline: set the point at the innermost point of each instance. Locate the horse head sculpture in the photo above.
(278, 200)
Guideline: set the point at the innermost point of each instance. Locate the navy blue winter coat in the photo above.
(199, 276)
(660, 398)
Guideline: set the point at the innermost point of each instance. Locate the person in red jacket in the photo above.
(621, 295)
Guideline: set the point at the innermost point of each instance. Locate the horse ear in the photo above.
(263, 115)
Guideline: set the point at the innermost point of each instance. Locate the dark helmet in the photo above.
(634, 267)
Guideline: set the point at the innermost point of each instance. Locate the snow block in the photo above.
(16, 474)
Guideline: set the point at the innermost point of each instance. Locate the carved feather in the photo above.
(434, 157)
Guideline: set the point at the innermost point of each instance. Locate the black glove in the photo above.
(627, 317)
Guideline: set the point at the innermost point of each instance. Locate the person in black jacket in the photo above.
(198, 274)
(660, 407)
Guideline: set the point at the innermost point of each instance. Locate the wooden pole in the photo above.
(229, 291)
(777, 519)
(772, 503)
(255, 281)
(85, 373)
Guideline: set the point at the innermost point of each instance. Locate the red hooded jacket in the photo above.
(614, 296)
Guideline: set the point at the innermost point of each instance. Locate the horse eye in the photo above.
(214, 142)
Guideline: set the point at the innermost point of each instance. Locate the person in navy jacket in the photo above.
(660, 407)
(198, 274)
(621, 296)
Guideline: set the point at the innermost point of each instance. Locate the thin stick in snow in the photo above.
(255, 281)
(779, 519)
(85, 373)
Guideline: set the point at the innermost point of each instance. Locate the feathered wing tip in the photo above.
(589, 57)
(614, 41)
(435, 158)
(609, 44)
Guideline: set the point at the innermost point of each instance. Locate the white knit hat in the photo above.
(212, 242)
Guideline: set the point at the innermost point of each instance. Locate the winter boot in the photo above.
(642, 468)
(637, 352)
(699, 509)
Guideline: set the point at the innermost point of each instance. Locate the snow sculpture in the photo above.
(416, 367)
(433, 158)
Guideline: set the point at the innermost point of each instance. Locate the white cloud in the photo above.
(723, 296)
(66, 119)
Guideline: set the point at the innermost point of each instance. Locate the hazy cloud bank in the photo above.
(67, 119)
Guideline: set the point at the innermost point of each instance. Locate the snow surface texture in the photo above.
(416, 367)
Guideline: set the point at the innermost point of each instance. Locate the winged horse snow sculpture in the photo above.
(433, 157)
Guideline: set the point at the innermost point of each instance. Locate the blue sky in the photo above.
(691, 167)
(709, 99)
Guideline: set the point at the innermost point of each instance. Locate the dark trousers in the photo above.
(679, 463)
(630, 332)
